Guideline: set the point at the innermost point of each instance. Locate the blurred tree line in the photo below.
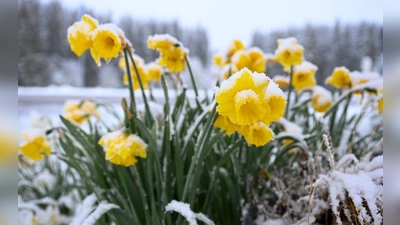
(329, 46)
(45, 56)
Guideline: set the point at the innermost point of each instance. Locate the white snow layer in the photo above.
(184, 209)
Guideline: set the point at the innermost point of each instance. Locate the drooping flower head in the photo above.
(123, 148)
(340, 78)
(80, 34)
(289, 53)
(304, 76)
(79, 112)
(34, 144)
(321, 99)
(172, 52)
(108, 41)
(258, 134)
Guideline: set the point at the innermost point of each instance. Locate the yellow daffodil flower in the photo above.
(225, 124)
(79, 112)
(108, 41)
(123, 148)
(258, 134)
(340, 78)
(154, 71)
(80, 34)
(34, 144)
(289, 53)
(321, 99)
(276, 101)
(172, 52)
(281, 81)
(241, 97)
(304, 76)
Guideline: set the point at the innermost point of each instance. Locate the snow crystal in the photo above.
(245, 94)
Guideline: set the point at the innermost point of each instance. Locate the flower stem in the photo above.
(289, 93)
(132, 102)
(191, 77)
(146, 104)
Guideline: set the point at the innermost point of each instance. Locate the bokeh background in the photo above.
(334, 33)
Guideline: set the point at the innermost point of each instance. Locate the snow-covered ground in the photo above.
(36, 102)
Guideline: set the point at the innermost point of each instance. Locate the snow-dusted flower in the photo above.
(253, 59)
(258, 134)
(154, 71)
(289, 52)
(225, 124)
(172, 52)
(340, 78)
(80, 34)
(235, 46)
(248, 102)
(304, 76)
(218, 60)
(79, 112)
(34, 144)
(123, 148)
(358, 78)
(281, 81)
(241, 97)
(108, 41)
(321, 99)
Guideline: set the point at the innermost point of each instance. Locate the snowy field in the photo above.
(36, 102)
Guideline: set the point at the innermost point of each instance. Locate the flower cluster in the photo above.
(34, 144)
(147, 72)
(123, 148)
(103, 40)
(247, 103)
(236, 57)
(172, 52)
(79, 112)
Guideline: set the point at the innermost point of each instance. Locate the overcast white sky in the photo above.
(229, 19)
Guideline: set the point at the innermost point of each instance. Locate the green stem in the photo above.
(192, 77)
(132, 105)
(289, 93)
(146, 104)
